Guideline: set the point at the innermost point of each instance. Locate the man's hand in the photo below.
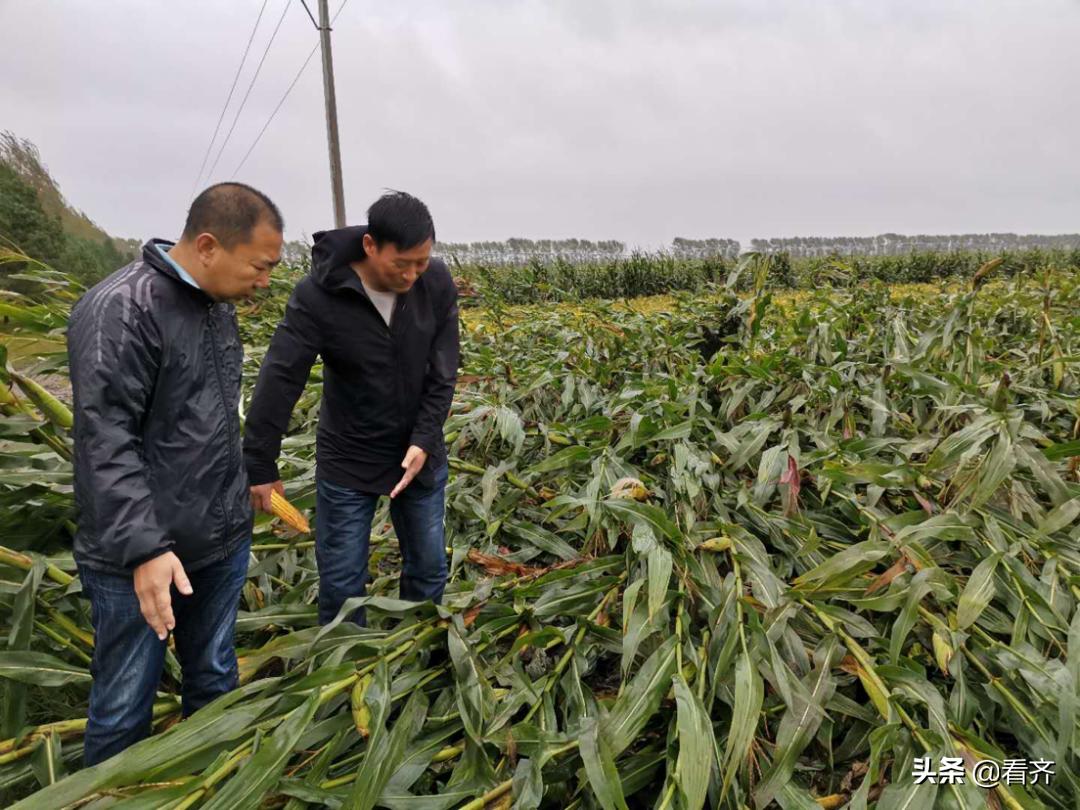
(413, 463)
(260, 495)
(152, 581)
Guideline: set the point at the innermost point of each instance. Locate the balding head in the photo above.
(230, 212)
(231, 241)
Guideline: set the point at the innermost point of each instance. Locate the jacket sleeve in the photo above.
(282, 377)
(114, 352)
(440, 381)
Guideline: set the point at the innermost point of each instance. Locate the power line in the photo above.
(236, 118)
(296, 78)
(278, 107)
(228, 98)
(308, 10)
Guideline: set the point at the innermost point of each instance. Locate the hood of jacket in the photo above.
(331, 254)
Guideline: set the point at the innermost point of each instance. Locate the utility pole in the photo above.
(331, 116)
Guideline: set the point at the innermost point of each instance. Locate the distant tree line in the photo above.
(517, 252)
(704, 248)
(894, 244)
(296, 253)
(36, 221)
(522, 251)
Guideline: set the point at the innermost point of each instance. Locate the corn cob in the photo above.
(630, 489)
(53, 409)
(360, 712)
(288, 513)
(984, 271)
(722, 543)
(943, 652)
(7, 399)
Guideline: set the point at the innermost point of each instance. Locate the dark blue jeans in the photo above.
(129, 657)
(343, 530)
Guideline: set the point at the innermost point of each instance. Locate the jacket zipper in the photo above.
(228, 424)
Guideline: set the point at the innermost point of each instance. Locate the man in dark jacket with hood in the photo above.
(164, 510)
(383, 316)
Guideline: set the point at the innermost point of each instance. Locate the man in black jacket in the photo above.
(164, 511)
(383, 316)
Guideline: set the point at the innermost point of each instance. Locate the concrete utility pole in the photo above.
(336, 185)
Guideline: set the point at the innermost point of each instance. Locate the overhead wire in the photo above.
(251, 84)
(228, 98)
(296, 78)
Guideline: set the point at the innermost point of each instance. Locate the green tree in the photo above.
(23, 222)
(25, 227)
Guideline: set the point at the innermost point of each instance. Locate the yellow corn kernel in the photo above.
(288, 513)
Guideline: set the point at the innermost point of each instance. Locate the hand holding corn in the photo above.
(260, 496)
(270, 498)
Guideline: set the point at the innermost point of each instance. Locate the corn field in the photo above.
(646, 274)
(752, 550)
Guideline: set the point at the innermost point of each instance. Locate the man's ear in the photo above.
(370, 247)
(207, 246)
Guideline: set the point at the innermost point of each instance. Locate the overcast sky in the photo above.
(629, 119)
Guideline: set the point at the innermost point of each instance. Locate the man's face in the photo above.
(239, 272)
(396, 270)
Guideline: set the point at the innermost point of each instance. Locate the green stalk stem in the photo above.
(228, 767)
(504, 787)
(861, 655)
(564, 661)
(64, 640)
(65, 729)
(25, 562)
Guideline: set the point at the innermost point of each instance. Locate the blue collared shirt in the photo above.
(180, 271)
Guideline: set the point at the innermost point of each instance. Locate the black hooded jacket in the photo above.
(384, 388)
(155, 375)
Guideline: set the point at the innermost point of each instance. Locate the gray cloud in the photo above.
(633, 120)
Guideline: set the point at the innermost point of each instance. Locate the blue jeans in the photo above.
(129, 657)
(343, 530)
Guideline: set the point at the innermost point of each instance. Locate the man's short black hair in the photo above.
(400, 219)
(230, 211)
